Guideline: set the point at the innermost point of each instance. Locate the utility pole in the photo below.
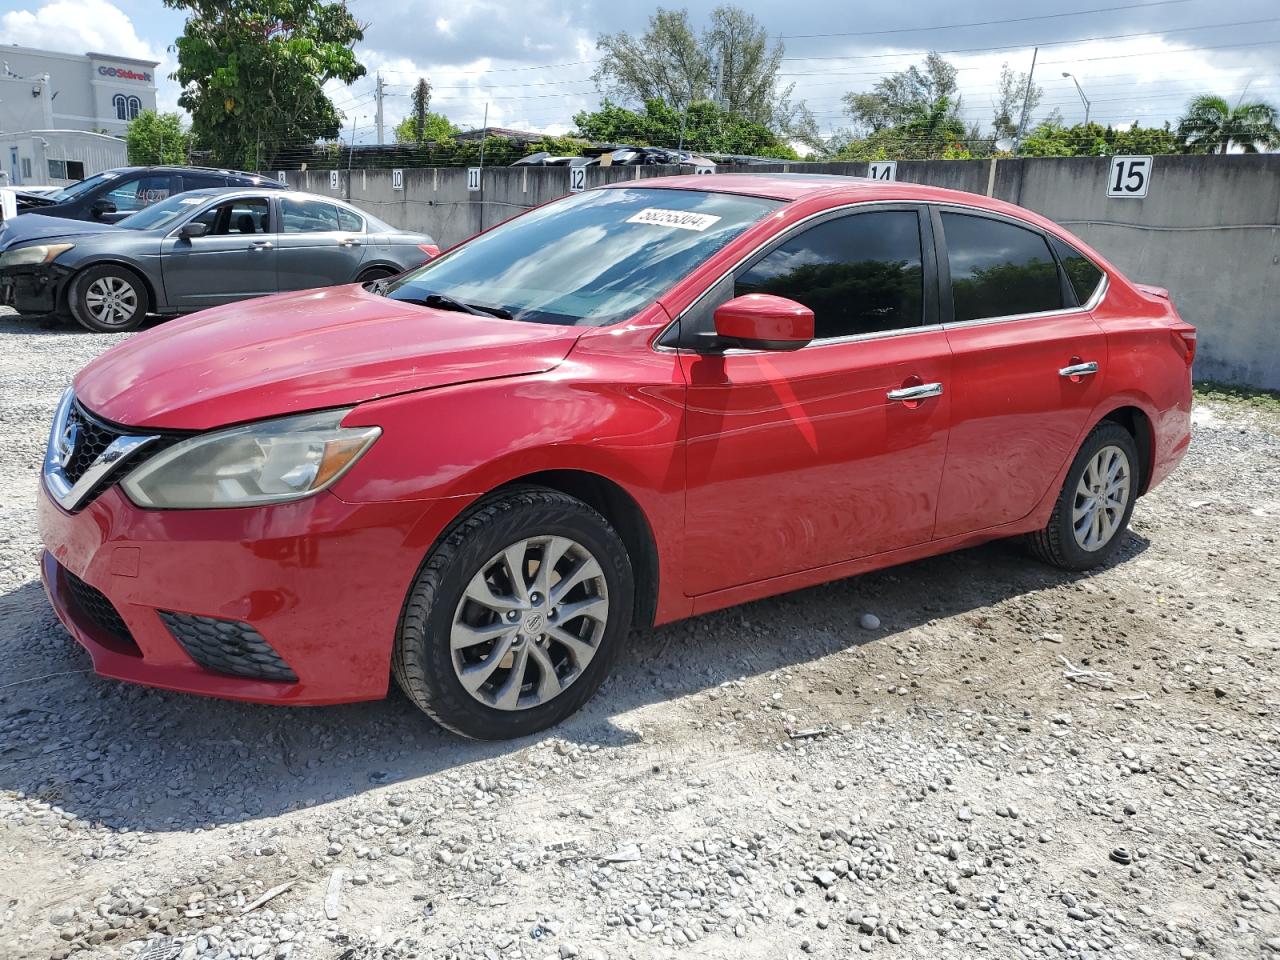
(351, 149)
(484, 135)
(1026, 101)
(378, 96)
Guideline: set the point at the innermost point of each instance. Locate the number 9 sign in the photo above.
(1129, 177)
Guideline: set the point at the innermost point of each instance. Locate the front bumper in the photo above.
(321, 582)
(32, 289)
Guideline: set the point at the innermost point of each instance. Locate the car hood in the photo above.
(36, 226)
(305, 351)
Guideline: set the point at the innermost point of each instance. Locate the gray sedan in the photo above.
(196, 250)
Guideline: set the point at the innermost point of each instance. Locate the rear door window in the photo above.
(859, 274)
(349, 221)
(308, 216)
(998, 269)
(141, 192)
(1083, 274)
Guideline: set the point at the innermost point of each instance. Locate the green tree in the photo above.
(429, 128)
(1010, 96)
(732, 63)
(1052, 139)
(1212, 125)
(154, 138)
(253, 74)
(707, 129)
(925, 131)
(906, 97)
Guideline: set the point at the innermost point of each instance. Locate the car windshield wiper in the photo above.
(441, 301)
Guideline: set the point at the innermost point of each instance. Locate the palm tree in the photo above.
(1212, 125)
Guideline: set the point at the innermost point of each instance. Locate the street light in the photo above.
(1082, 96)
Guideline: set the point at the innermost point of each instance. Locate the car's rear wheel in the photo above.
(1092, 511)
(516, 617)
(109, 299)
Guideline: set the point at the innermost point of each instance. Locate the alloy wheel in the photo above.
(111, 300)
(1102, 495)
(529, 623)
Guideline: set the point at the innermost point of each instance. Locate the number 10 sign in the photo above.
(1129, 177)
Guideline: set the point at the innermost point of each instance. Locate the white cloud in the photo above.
(84, 26)
(77, 26)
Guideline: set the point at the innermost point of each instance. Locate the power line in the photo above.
(980, 23)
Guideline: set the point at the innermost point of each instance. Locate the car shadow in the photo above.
(139, 759)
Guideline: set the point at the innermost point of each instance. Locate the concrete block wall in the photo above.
(1208, 229)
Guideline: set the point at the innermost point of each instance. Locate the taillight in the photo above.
(430, 249)
(1185, 341)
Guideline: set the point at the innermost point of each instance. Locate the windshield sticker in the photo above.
(680, 219)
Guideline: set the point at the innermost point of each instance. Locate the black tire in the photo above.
(422, 660)
(1057, 543)
(375, 273)
(124, 283)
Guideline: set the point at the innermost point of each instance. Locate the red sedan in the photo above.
(629, 406)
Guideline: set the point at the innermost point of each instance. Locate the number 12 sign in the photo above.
(1129, 177)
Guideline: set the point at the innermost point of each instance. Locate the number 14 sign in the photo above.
(1129, 177)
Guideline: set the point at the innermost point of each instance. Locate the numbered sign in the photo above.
(283, 177)
(577, 179)
(1129, 177)
(704, 168)
(333, 179)
(883, 170)
(397, 179)
(473, 179)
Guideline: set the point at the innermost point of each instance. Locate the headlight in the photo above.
(37, 253)
(260, 463)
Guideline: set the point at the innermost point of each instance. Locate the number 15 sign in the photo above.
(1129, 177)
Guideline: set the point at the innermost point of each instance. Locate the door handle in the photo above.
(349, 242)
(1077, 370)
(261, 245)
(920, 391)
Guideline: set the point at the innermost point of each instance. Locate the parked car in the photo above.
(195, 250)
(112, 195)
(629, 406)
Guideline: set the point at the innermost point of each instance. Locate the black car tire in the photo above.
(1057, 544)
(111, 280)
(375, 273)
(423, 660)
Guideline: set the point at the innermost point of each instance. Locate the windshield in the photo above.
(590, 259)
(164, 213)
(66, 193)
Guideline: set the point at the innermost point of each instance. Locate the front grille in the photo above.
(227, 646)
(92, 437)
(94, 607)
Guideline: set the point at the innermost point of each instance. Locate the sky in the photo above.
(531, 62)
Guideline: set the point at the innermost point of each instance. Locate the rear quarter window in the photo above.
(1083, 273)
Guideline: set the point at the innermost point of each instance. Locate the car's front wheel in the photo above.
(1093, 509)
(108, 299)
(516, 617)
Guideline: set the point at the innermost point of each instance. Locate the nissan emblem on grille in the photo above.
(67, 444)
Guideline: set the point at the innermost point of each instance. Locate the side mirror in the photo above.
(101, 207)
(761, 321)
(193, 229)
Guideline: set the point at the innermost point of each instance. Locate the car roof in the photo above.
(834, 189)
(169, 168)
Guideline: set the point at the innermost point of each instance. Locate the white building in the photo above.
(60, 157)
(54, 107)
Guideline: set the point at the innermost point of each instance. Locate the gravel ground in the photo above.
(1014, 762)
